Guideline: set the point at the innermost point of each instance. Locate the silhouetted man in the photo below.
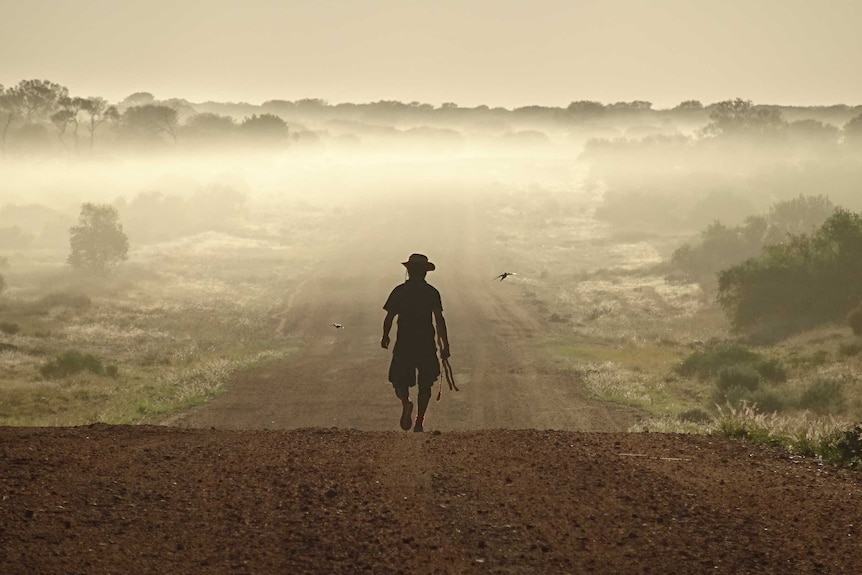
(414, 359)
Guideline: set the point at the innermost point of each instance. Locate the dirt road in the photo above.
(339, 377)
(306, 470)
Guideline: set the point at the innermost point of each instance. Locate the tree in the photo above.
(740, 116)
(137, 99)
(152, 119)
(61, 121)
(689, 105)
(813, 130)
(209, 127)
(40, 98)
(70, 109)
(266, 127)
(586, 108)
(722, 247)
(800, 215)
(853, 129)
(99, 112)
(98, 242)
(10, 108)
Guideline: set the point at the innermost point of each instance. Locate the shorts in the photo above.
(405, 371)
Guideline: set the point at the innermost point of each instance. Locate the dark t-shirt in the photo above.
(414, 302)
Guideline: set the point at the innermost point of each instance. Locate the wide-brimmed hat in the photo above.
(419, 261)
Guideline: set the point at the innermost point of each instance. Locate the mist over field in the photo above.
(152, 250)
(676, 169)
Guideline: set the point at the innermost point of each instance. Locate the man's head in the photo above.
(418, 265)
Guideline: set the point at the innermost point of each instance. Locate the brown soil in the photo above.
(299, 466)
(125, 499)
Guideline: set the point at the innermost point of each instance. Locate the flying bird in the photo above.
(337, 326)
(504, 275)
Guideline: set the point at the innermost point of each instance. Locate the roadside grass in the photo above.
(637, 375)
(136, 395)
(622, 331)
(166, 331)
(825, 438)
(646, 357)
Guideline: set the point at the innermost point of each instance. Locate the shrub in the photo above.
(849, 446)
(822, 396)
(740, 376)
(771, 369)
(695, 415)
(854, 318)
(98, 242)
(769, 401)
(720, 247)
(804, 281)
(710, 363)
(849, 349)
(723, 246)
(9, 328)
(735, 395)
(71, 363)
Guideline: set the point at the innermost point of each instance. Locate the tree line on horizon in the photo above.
(40, 116)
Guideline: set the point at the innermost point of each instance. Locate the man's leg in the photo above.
(399, 376)
(424, 398)
(402, 392)
(429, 371)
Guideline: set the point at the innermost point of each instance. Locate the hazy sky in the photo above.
(497, 52)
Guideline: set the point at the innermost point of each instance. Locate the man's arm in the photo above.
(387, 326)
(442, 334)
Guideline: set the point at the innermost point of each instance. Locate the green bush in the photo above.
(769, 401)
(771, 369)
(849, 447)
(98, 242)
(711, 362)
(801, 282)
(854, 318)
(708, 363)
(741, 376)
(763, 399)
(71, 363)
(822, 396)
(723, 246)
